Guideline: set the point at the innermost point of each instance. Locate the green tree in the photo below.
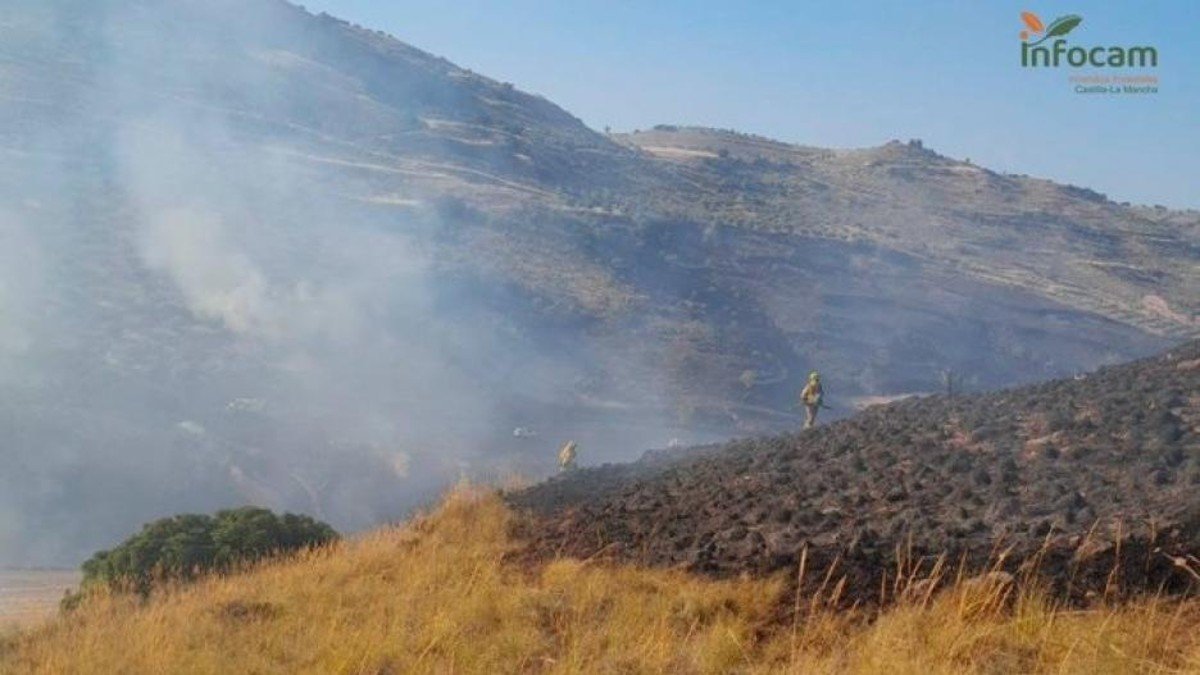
(187, 545)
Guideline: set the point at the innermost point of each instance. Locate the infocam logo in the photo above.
(1059, 52)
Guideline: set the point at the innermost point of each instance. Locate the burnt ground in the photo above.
(1081, 476)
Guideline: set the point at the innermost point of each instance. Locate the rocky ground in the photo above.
(1079, 477)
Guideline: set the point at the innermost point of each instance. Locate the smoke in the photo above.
(326, 321)
(19, 256)
(195, 324)
(199, 310)
(218, 281)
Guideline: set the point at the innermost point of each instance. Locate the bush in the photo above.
(184, 546)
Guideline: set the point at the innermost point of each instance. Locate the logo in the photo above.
(1060, 26)
(1035, 53)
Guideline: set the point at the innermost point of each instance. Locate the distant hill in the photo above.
(253, 254)
(1082, 475)
(1065, 243)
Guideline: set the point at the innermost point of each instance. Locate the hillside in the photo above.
(252, 254)
(1063, 242)
(1078, 477)
(440, 594)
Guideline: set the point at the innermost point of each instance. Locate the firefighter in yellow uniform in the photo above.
(566, 457)
(811, 396)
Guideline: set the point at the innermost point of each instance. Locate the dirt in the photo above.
(1093, 480)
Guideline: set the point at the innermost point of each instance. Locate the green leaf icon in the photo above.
(1061, 26)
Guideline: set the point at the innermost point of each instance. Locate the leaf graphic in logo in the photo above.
(1063, 25)
(1032, 20)
(1059, 27)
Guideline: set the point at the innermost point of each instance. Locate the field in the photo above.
(30, 595)
(444, 594)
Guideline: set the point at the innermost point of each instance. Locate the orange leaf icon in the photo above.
(1032, 20)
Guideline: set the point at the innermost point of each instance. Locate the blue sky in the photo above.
(843, 74)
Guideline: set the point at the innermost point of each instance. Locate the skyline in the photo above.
(945, 73)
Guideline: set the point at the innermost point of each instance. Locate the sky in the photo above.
(843, 75)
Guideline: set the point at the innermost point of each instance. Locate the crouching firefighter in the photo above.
(566, 457)
(812, 397)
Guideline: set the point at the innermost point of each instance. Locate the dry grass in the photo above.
(436, 596)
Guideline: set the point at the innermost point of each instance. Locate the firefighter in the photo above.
(811, 397)
(566, 457)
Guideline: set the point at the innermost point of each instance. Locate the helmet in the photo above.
(814, 375)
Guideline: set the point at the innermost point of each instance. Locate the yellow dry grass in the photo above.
(436, 596)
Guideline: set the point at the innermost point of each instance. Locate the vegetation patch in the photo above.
(441, 594)
(185, 546)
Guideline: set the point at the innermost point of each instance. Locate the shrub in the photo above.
(184, 546)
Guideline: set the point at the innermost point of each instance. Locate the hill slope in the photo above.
(437, 595)
(1063, 242)
(253, 254)
(1081, 472)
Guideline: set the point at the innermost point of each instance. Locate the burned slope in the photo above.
(1089, 472)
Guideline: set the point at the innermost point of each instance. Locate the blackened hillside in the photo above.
(1091, 471)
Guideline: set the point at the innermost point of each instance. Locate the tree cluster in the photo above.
(187, 545)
